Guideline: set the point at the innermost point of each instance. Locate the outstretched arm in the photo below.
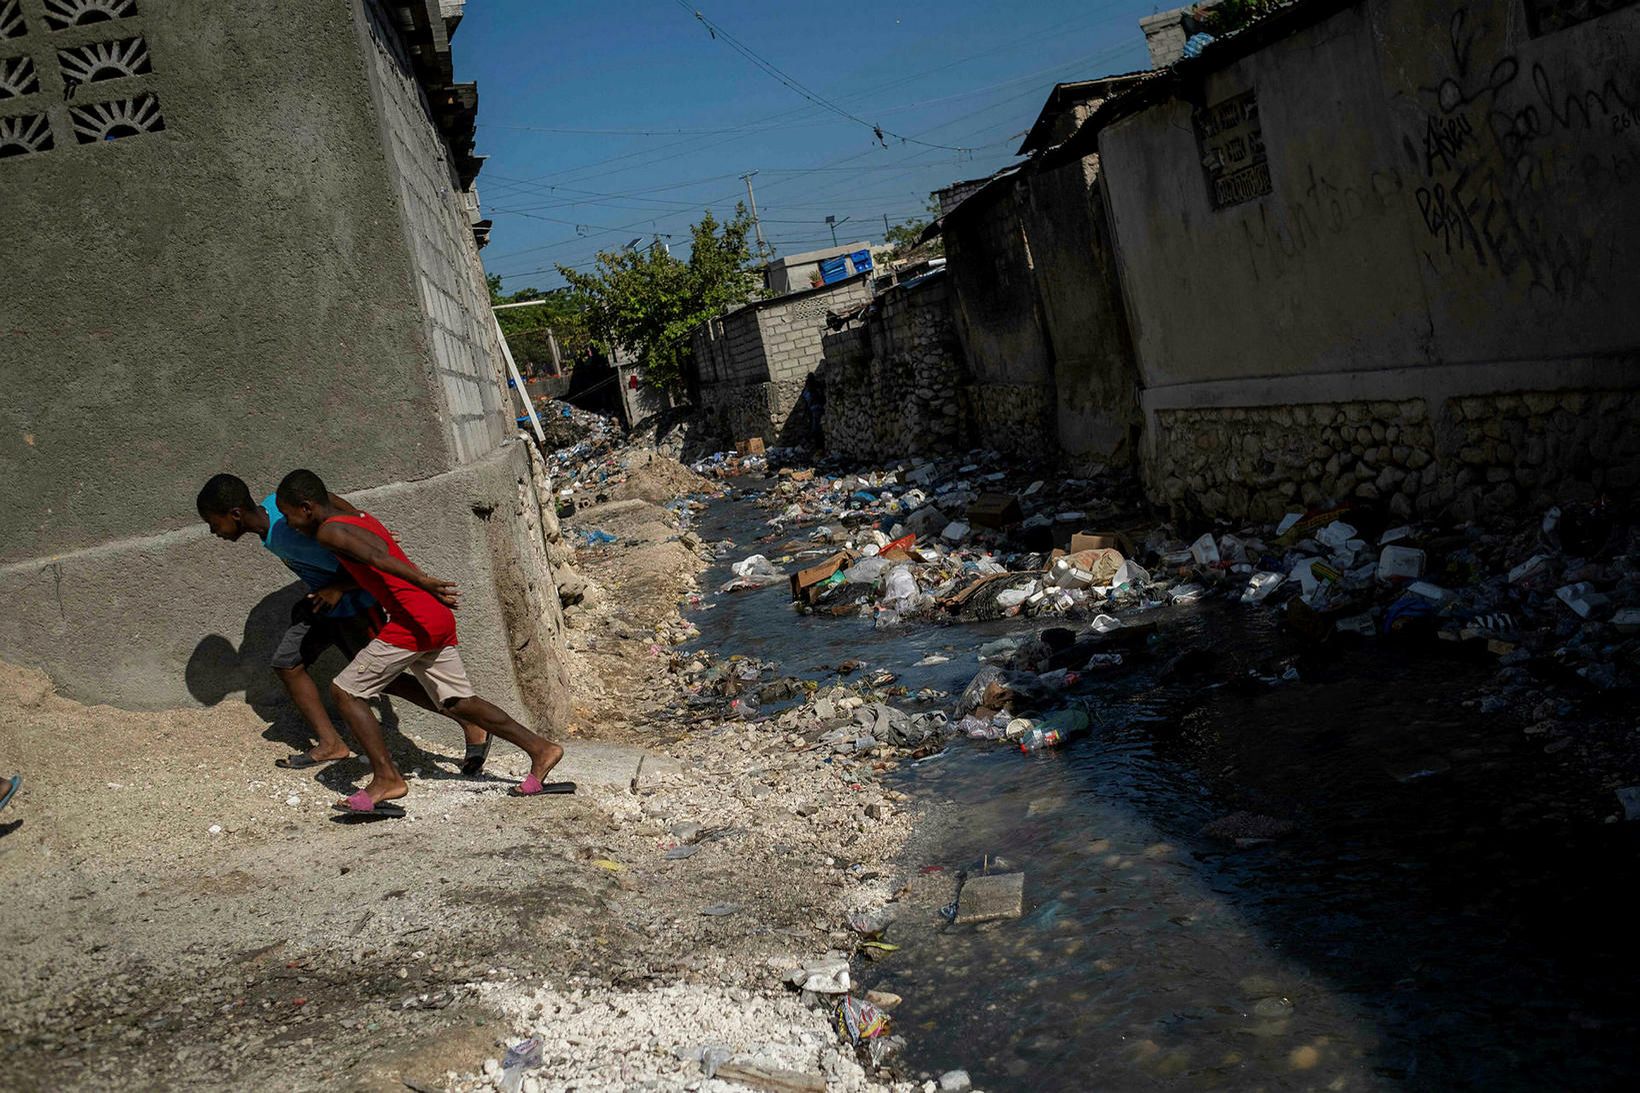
(361, 546)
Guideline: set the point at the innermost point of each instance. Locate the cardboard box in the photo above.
(804, 581)
(995, 510)
(753, 446)
(1101, 540)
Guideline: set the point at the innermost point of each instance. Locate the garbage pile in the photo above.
(945, 542)
(590, 460)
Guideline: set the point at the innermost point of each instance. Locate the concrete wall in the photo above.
(282, 275)
(1446, 218)
(232, 291)
(1000, 321)
(181, 618)
(1094, 374)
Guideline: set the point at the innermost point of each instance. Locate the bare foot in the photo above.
(381, 790)
(547, 759)
(320, 754)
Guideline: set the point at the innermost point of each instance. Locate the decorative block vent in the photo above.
(11, 20)
(17, 77)
(61, 14)
(112, 60)
(24, 134)
(116, 120)
(1231, 140)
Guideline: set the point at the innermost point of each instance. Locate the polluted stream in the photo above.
(1347, 880)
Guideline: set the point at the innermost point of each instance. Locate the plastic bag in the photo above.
(867, 571)
(859, 1020)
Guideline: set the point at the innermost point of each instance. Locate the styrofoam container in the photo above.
(1399, 563)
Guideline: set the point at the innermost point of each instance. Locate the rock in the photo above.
(824, 977)
(955, 1081)
(984, 899)
(883, 1000)
(771, 1079)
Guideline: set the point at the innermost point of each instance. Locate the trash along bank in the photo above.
(1297, 798)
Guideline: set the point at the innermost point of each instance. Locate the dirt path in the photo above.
(181, 914)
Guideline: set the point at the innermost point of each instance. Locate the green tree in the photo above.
(649, 302)
(901, 239)
(527, 328)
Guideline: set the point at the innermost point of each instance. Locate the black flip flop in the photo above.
(546, 788)
(302, 761)
(472, 765)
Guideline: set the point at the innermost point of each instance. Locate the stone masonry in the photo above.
(1477, 455)
(895, 381)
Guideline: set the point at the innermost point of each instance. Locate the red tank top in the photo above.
(415, 618)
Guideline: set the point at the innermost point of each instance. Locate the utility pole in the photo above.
(763, 249)
(832, 222)
(885, 227)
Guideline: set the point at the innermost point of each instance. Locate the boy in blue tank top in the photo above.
(335, 612)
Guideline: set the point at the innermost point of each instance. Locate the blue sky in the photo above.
(609, 120)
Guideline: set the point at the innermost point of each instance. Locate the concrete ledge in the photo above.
(1430, 382)
(180, 619)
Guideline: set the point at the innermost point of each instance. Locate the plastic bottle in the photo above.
(1054, 729)
(519, 1058)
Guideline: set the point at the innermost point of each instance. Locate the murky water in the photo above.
(1471, 927)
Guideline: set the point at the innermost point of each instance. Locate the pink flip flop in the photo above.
(532, 786)
(360, 804)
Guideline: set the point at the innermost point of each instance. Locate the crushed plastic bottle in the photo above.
(519, 1058)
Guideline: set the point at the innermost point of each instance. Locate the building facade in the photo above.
(1380, 250)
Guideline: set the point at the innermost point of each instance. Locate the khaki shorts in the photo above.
(439, 671)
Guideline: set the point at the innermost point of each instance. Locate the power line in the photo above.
(813, 96)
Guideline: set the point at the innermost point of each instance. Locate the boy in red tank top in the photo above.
(419, 638)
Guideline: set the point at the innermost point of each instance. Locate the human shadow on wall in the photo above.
(217, 669)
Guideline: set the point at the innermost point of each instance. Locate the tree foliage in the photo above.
(901, 239)
(649, 302)
(526, 327)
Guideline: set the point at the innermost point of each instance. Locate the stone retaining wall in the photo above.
(1475, 456)
(1016, 418)
(895, 384)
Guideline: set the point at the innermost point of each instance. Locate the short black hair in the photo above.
(222, 494)
(303, 486)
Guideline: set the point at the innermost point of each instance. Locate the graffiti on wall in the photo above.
(1231, 140)
(1501, 146)
(1322, 207)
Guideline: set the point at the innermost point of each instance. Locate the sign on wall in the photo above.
(1232, 147)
